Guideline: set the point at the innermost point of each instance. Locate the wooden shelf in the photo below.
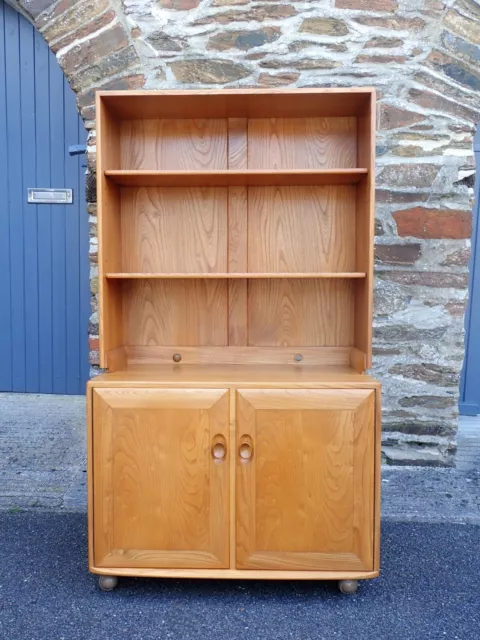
(235, 178)
(243, 276)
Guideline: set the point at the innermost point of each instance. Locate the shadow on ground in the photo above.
(428, 589)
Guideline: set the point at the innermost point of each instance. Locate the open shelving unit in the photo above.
(236, 433)
(236, 219)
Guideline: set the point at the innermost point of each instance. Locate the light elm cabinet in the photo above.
(235, 433)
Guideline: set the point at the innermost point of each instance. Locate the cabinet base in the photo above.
(235, 574)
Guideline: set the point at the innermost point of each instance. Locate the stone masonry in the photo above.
(423, 58)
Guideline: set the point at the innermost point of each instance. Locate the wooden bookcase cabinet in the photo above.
(235, 432)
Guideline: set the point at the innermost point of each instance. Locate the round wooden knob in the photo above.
(219, 451)
(177, 357)
(245, 451)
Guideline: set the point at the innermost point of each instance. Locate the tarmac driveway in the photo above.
(429, 588)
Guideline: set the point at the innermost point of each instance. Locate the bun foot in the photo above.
(107, 583)
(348, 586)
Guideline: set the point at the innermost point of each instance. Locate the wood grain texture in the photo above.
(160, 498)
(238, 313)
(173, 144)
(234, 178)
(301, 229)
(235, 574)
(357, 359)
(308, 313)
(237, 252)
(378, 479)
(90, 479)
(235, 232)
(305, 498)
(127, 275)
(237, 103)
(302, 143)
(174, 230)
(172, 312)
(237, 143)
(108, 230)
(221, 355)
(255, 375)
(365, 213)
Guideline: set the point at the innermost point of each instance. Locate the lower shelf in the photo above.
(255, 357)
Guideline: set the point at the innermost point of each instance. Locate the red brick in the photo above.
(420, 222)
(398, 253)
(93, 343)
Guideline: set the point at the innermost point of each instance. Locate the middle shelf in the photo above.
(230, 178)
(244, 275)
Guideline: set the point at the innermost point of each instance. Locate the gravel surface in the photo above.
(428, 589)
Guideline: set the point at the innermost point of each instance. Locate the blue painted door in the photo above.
(44, 271)
(470, 384)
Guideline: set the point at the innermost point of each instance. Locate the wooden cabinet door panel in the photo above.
(161, 497)
(305, 479)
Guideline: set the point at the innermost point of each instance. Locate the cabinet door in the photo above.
(305, 479)
(161, 478)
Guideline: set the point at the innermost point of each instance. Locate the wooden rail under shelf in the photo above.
(244, 275)
(230, 178)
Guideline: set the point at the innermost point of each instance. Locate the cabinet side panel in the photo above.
(175, 312)
(365, 229)
(108, 229)
(378, 480)
(364, 481)
(294, 312)
(169, 144)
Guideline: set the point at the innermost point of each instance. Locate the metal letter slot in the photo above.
(50, 196)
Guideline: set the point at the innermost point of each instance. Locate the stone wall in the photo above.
(422, 56)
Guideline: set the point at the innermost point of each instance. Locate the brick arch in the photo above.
(92, 43)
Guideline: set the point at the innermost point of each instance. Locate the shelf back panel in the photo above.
(166, 144)
(301, 229)
(172, 312)
(238, 143)
(174, 229)
(302, 143)
(294, 313)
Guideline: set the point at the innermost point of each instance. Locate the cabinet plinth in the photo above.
(235, 433)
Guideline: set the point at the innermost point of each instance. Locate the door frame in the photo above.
(469, 403)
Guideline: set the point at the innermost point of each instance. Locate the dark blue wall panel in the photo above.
(470, 384)
(44, 270)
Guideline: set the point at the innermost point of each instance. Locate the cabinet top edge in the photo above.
(236, 376)
(233, 92)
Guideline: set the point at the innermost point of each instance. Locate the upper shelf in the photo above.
(246, 275)
(235, 178)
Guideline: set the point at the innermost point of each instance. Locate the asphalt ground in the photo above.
(429, 588)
